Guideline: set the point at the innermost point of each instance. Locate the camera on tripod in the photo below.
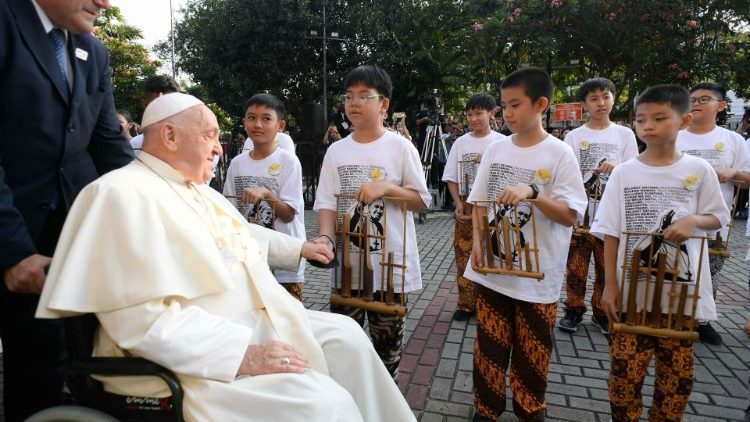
(435, 108)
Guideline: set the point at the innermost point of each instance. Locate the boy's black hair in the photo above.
(161, 84)
(267, 100)
(536, 83)
(717, 89)
(482, 101)
(372, 77)
(594, 84)
(675, 96)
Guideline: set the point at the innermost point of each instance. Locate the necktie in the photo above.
(58, 41)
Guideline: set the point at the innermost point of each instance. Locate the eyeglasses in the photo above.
(359, 99)
(703, 100)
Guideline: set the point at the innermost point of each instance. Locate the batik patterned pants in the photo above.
(715, 264)
(294, 289)
(579, 256)
(386, 331)
(630, 355)
(467, 297)
(516, 332)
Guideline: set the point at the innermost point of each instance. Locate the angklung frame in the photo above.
(663, 302)
(504, 247)
(357, 290)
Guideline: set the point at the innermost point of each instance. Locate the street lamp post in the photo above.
(324, 36)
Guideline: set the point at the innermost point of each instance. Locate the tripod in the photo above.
(433, 140)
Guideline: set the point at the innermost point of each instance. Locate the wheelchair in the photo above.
(93, 404)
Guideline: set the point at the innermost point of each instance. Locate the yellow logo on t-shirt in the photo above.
(584, 145)
(274, 169)
(276, 142)
(376, 174)
(690, 182)
(542, 176)
(720, 146)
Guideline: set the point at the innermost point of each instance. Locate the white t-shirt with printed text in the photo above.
(466, 148)
(723, 149)
(347, 165)
(281, 173)
(643, 198)
(552, 166)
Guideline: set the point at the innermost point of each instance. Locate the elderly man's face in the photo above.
(198, 136)
(76, 16)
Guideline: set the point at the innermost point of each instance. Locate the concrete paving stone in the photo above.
(702, 374)
(408, 362)
(569, 390)
(586, 363)
(466, 362)
(422, 375)
(709, 389)
(701, 350)
(455, 335)
(467, 346)
(582, 343)
(588, 354)
(565, 348)
(596, 373)
(416, 396)
(718, 411)
(585, 382)
(431, 417)
(565, 369)
(446, 368)
(451, 351)
(455, 419)
(568, 414)
(733, 386)
(430, 357)
(697, 397)
(463, 381)
(736, 403)
(448, 408)
(599, 394)
(556, 399)
(462, 397)
(415, 347)
(589, 404)
(731, 360)
(554, 378)
(441, 388)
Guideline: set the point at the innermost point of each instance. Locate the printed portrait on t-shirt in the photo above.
(369, 215)
(517, 220)
(263, 215)
(677, 258)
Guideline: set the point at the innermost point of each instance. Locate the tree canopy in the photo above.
(236, 48)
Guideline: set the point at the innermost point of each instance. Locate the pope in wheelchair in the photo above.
(174, 274)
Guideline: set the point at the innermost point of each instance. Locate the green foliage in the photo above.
(236, 48)
(129, 61)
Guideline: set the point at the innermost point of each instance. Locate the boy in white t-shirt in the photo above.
(271, 177)
(460, 169)
(662, 190)
(727, 153)
(599, 146)
(516, 315)
(372, 163)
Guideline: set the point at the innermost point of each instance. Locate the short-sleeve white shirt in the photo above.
(347, 165)
(281, 173)
(643, 198)
(458, 169)
(552, 166)
(723, 149)
(281, 140)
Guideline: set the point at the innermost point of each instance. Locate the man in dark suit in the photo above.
(58, 132)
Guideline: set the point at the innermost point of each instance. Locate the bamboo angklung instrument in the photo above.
(647, 313)
(363, 295)
(722, 245)
(505, 249)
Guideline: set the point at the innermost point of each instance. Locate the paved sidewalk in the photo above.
(436, 368)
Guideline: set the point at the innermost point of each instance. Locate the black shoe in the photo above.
(708, 335)
(602, 322)
(741, 215)
(570, 322)
(478, 418)
(461, 315)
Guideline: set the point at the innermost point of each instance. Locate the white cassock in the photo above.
(177, 276)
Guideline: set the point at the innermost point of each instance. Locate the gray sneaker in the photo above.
(570, 321)
(602, 322)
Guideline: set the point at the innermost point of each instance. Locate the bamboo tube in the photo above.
(680, 313)
(631, 306)
(508, 246)
(485, 226)
(389, 291)
(346, 271)
(661, 263)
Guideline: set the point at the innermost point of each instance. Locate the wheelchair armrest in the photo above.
(116, 366)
